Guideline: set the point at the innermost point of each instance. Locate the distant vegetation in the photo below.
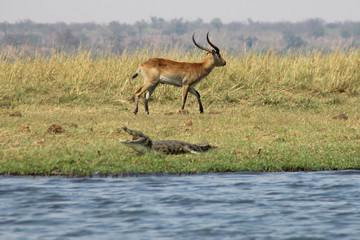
(236, 37)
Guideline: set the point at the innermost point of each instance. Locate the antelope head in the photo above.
(215, 52)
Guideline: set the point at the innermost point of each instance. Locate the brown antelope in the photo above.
(180, 74)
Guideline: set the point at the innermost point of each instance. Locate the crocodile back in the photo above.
(178, 147)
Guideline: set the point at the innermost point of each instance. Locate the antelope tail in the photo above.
(136, 74)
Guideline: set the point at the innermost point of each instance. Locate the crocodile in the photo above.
(142, 144)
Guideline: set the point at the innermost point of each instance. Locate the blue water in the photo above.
(302, 205)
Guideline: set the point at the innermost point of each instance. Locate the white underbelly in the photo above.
(170, 81)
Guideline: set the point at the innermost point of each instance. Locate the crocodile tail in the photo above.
(198, 148)
(205, 146)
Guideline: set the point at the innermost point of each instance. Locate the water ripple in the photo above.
(314, 205)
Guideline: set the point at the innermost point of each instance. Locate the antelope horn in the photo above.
(213, 45)
(199, 46)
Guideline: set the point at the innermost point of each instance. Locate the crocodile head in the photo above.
(139, 142)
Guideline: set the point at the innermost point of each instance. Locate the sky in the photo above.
(130, 11)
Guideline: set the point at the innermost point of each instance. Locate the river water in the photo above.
(300, 205)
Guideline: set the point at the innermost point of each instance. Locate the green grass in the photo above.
(264, 112)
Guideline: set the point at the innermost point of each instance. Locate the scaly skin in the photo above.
(143, 144)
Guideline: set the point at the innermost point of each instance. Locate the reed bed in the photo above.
(82, 78)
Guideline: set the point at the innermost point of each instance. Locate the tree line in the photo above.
(237, 37)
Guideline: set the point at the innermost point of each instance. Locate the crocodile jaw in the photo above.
(139, 142)
(138, 145)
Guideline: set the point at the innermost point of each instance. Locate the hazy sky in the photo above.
(105, 11)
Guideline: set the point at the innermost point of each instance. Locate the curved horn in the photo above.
(201, 47)
(213, 45)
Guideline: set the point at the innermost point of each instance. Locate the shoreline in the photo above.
(91, 144)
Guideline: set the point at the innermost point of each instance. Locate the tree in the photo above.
(142, 25)
(157, 22)
(199, 21)
(249, 41)
(216, 22)
(67, 39)
(176, 26)
(115, 27)
(17, 40)
(345, 33)
(316, 27)
(117, 43)
(250, 21)
(293, 41)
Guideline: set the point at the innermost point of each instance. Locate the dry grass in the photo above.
(107, 79)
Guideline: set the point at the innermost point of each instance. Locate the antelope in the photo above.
(179, 74)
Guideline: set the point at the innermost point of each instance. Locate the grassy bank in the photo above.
(264, 112)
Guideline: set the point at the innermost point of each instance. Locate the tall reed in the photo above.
(83, 78)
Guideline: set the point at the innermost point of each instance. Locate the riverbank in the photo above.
(249, 138)
(258, 118)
